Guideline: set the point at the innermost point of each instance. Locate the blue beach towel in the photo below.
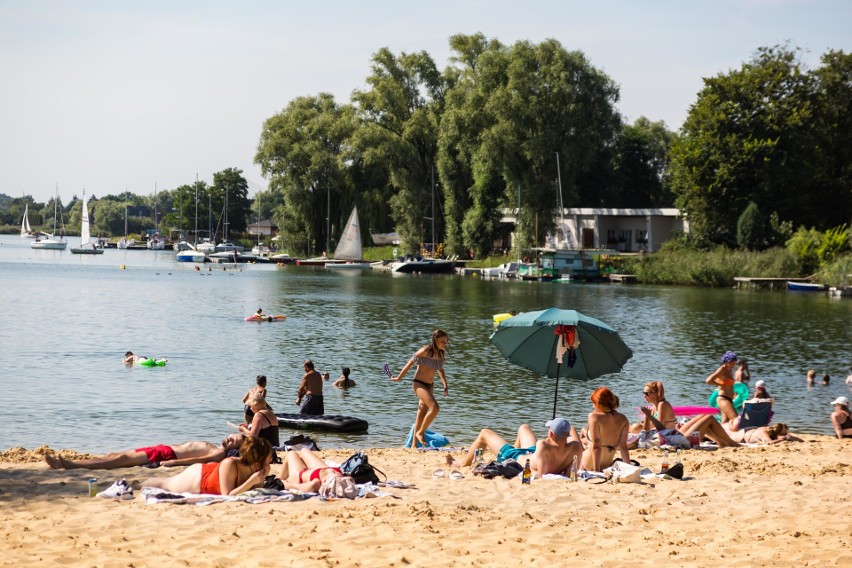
(434, 439)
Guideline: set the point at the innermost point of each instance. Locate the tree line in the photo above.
(166, 210)
(502, 126)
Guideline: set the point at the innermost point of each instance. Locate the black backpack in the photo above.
(359, 469)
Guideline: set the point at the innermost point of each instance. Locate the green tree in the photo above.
(770, 133)
(400, 113)
(304, 152)
(641, 165)
(751, 229)
(230, 189)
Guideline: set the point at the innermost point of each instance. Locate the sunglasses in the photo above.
(647, 393)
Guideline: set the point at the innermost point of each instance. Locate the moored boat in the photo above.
(805, 287)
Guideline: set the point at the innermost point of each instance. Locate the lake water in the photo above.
(67, 321)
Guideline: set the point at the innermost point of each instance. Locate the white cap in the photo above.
(841, 400)
(760, 384)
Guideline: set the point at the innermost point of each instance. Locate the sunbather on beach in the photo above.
(662, 416)
(708, 427)
(778, 432)
(554, 454)
(305, 471)
(607, 432)
(841, 418)
(723, 378)
(231, 476)
(168, 456)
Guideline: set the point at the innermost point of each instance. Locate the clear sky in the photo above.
(114, 94)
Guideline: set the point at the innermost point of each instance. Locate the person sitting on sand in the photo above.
(344, 382)
(305, 471)
(607, 433)
(168, 456)
(310, 389)
(231, 476)
(260, 390)
(264, 423)
(662, 410)
(841, 419)
(554, 454)
(760, 390)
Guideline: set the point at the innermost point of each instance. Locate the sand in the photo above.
(781, 505)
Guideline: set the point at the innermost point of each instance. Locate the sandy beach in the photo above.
(781, 505)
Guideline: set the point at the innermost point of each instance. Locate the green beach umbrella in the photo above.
(561, 343)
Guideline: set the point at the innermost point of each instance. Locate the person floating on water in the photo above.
(131, 359)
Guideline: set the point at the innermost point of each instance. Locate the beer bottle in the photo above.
(526, 477)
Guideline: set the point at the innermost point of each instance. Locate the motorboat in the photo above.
(424, 265)
(505, 270)
(385, 239)
(805, 287)
(190, 255)
(229, 246)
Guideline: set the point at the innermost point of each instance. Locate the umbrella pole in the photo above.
(556, 392)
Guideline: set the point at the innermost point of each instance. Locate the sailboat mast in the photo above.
(561, 205)
(433, 211)
(196, 208)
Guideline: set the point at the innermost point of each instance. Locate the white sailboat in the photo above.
(348, 254)
(51, 242)
(86, 244)
(155, 241)
(26, 230)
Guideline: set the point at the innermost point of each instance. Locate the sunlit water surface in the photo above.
(67, 320)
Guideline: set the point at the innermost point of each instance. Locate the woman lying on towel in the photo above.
(607, 433)
(778, 432)
(231, 476)
(305, 471)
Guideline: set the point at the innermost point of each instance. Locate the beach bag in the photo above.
(272, 482)
(674, 439)
(358, 467)
(625, 472)
(338, 487)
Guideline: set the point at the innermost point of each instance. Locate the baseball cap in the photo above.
(841, 400)
(559, 426)
(760, 384)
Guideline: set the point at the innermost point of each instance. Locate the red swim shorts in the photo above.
(157, 454)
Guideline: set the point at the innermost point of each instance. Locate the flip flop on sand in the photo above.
(456, 474)
(438, 473)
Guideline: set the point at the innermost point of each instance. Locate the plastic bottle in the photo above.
(526, 477)
(93, 489)
(665, 467)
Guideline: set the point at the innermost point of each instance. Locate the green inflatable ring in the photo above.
(740, 396)
(149, 362)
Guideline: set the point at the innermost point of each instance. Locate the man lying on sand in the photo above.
(169, 456)
(554, 454)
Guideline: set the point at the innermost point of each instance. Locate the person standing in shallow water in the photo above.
(310, 390)
(429, 360)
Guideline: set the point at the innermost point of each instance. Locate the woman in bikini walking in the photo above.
(429, 360)
(723, 378)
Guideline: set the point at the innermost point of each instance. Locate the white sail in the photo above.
(85, 235)
(26, 231)
(349, 247)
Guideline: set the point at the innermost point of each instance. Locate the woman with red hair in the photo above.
(607, 432)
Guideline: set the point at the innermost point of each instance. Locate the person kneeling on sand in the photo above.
(231, 476)
(554, 454)
(169, 456)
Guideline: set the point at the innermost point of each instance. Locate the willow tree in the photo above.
(399, 114)
(303, 152)
(511, 111)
